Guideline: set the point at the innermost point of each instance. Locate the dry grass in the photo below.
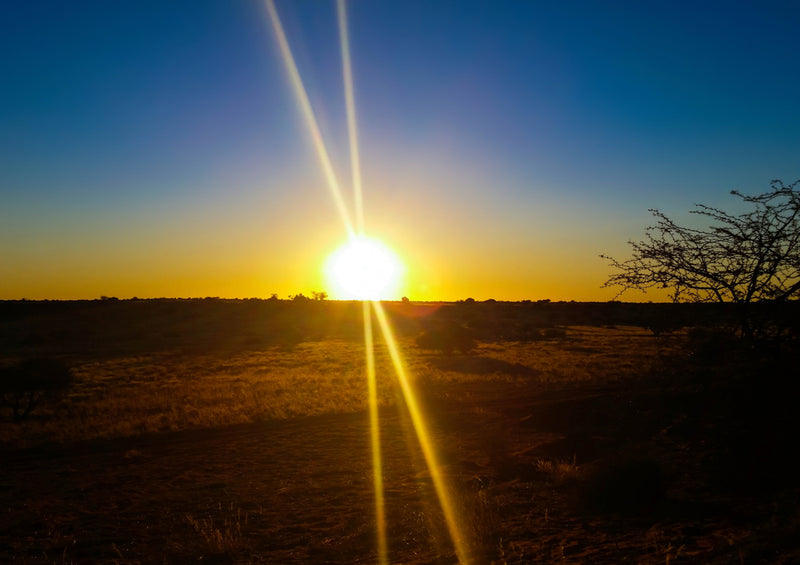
(531, 441)
(220, 537)
(558, 471)
(589, 354)
(127, 396)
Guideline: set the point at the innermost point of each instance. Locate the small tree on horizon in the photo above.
(750, 257)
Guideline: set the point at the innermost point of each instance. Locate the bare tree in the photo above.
(745, 258)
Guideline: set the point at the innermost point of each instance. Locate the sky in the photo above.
(156, 149)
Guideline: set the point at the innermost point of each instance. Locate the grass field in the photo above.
(127, 396)
(600, 443)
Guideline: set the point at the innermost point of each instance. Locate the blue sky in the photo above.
(152, 148)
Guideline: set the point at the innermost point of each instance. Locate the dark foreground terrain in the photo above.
(684, 458)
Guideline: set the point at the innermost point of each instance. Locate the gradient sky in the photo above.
(153, 148)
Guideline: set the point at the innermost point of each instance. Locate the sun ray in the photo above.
(311, 121)
(369, 346)
(347, 76)
(374, 425)
(424, 438)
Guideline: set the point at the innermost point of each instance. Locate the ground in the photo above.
(654, 459)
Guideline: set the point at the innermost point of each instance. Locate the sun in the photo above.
(364, 268)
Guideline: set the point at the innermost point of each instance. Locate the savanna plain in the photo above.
(238, 431)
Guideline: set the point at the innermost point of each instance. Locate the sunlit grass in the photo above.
(148, 394)
(155, 393)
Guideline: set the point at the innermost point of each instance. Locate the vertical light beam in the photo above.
(311, 121)
(347, 76)
(377, 464)
(423, 436)
(369, 346)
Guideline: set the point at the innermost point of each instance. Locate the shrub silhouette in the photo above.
(554, 333)
(446, 340)
(661, 324)
(27, 384)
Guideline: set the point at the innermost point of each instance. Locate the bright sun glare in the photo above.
(364, 269)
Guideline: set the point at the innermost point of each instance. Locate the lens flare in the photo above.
(311, 120)
(350, 104)
(366, 270)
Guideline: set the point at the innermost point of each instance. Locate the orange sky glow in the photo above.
(151, 151)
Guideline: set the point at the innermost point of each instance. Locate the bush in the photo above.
(659, 323)
(540, 334)
(447, 340)
(713, 345)
(554, 333)
(27, 384)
